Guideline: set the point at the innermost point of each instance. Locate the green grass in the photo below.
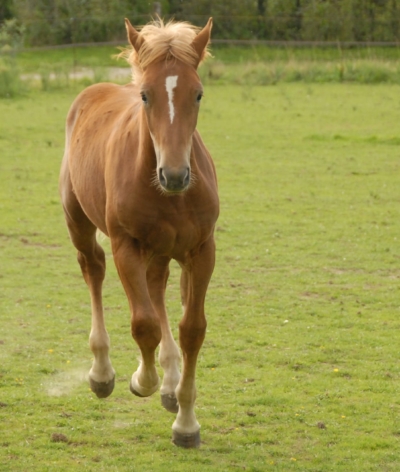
(249, 66)
(299, 370)
(102, 56)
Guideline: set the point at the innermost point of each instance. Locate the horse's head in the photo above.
(171, 93)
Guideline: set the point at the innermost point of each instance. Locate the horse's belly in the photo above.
(95, 213)
(91, 196)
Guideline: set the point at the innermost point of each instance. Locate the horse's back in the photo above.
(97, 107)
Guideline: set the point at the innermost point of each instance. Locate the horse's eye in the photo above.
(144, 97)
(199, 97)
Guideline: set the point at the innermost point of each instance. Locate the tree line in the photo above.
(51, 22)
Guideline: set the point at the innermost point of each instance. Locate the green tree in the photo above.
(66, 21)
(233, 19)
(6, 10)
(72, 21)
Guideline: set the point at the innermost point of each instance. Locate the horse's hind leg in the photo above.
(92, 261)
(169, 357)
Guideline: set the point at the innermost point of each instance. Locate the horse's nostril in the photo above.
(186, 180)
(161, 177)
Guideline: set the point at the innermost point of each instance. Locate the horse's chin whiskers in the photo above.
(156, 183)
(192, 181)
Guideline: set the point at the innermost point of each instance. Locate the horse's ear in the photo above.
(202, 39)
(133, 36)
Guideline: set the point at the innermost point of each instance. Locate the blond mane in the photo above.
(164, 41)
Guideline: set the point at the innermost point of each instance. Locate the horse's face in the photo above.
(171, 93)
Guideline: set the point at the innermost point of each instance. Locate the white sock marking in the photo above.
(170, 84)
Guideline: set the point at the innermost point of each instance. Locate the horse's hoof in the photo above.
(186, 440)
(135, 392)
(170, 402)
(102, 389)
(140, 391)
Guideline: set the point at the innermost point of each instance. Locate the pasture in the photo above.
(299, 369)
(246, 66)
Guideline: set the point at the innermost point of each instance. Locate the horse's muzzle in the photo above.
(174, 180)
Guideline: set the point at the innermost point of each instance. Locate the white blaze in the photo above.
(170, 84)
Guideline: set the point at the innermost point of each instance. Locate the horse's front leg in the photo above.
(131, 263)
(169, 356)
(192, 329)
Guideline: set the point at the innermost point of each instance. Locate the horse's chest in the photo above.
(174, 239)
(169, 235)
(169, 228)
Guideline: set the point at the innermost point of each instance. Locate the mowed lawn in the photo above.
(300, 367)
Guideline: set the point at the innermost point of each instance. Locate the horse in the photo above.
(136, 169)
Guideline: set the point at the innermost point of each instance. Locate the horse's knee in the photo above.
(191, 335)
(92, 263)
(146, 331)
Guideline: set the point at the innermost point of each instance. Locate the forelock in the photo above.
(164, 41)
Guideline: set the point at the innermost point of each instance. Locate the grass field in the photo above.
(246, 66)
(102, 56)
(299, 370)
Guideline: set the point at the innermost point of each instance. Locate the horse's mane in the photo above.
(164, 41)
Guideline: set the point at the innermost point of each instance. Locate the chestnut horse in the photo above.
(136, 169)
